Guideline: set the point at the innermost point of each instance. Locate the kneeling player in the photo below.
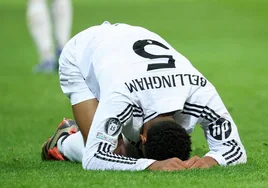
(147, 91)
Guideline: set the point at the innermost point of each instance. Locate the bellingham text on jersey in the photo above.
(157, 82)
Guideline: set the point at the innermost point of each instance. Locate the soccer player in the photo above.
(148, 92)
(46, 23)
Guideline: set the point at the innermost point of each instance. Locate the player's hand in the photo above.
(172, 164)
(190, 162)
(196, 162)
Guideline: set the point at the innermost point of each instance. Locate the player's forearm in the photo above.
(109, 161)
(210, 161)
(228, 155)
(224, 143)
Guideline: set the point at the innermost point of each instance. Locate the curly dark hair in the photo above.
(167, 139)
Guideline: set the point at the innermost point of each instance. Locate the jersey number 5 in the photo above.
(139, 46)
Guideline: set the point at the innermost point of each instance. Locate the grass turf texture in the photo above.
(227, 41)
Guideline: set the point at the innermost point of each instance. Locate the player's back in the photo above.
(137, 63)
(120, 49)
(132, 51)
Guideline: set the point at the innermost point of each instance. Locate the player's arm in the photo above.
(102, 140)
(224, 143)
(111, 114)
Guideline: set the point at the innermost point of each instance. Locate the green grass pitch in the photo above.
(226, 40)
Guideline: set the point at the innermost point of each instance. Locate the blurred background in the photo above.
(226, 40)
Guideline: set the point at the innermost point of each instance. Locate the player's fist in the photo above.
(172, 164)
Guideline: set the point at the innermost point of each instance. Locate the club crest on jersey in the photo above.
(112, 126)
(221, 129)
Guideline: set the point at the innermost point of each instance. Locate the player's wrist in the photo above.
(153, 166)
(210, 161)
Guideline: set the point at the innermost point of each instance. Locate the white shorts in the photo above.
(72, 81)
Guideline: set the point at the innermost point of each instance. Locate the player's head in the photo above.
(166, 139)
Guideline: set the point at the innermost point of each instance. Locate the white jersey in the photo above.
(136, 75)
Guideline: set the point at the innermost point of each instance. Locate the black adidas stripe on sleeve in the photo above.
(200, 111)
(130, 110)
(234, 154)
(104, 153)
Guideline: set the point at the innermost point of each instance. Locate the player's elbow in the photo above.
(85, 164)
(242, 159)
(88, 162)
